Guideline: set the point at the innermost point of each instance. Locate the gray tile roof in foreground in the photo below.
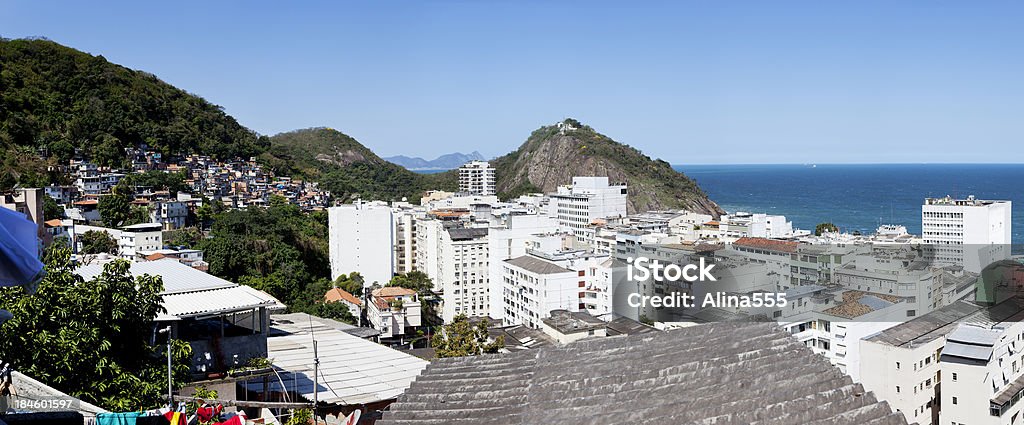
(537, 265)
(721, 373)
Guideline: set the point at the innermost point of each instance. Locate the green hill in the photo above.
(343, 166)
(55, 99)
(551, 157)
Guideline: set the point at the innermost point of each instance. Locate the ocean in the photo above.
(857, 197)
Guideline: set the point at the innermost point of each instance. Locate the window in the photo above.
(897, 389)
(954, 400)
(897, 365)
(954, 376)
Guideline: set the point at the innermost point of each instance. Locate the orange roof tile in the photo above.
(53, 223)
(338, 294)
(768, 244)
(392, 291)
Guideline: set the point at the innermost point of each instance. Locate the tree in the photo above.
(415, 280)
(351, 283)
(51, 210)
(826, 227)
(188, 237)
(116, 208)
(462, 338)
(98, 241)
(91, 339)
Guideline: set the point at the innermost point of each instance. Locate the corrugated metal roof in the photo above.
(353, 370)
(965, 351)
(177, 277)
(216, 301)
(189, 292)
(974, 335)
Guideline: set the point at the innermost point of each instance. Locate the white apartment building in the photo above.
(395, 312)
(361, 238)
(428, 249)
(507, 240)
(744, 224)
(463, 266)
(405, 217)
(537, 283)
(139, 238)
(969, 232)
(477, 177)
(920, 365)
(171, 214)
(587, 199)
(983, 374)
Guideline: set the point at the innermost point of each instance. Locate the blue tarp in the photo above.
(19, 249)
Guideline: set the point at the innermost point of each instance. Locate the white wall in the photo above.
(361, 240)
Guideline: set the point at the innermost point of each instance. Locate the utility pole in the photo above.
(316, 380)
(170, 382)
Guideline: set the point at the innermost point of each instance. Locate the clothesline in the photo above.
(243, 403)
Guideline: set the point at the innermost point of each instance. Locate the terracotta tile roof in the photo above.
(53, 223)
(392, 291)
(768, 244)
(338, 294)
(154, 257)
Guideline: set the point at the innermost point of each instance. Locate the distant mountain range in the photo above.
(443, 162)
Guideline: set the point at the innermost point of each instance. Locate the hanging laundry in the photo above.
(238, 419)
(123, 418)
(206, 413)
(176, 418)
(153, 420)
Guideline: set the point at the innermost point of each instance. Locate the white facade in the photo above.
(587, 199)
(905, 374)
(968, 232)
(508, 240)
(361, 238)
(477, 177)
(171, 214)
(405, 238)
(983, 374)
(744, 224)
(139, 238)
(394, 311)
(464, 272)
(533, 286)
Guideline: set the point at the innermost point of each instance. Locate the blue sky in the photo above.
(689, 81)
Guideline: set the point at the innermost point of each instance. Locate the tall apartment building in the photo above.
(968, 232)
(539, 282)
(405, 237)
(361, 238)
(587, 199)
(508, 240)
(464, 272)
(477, 177)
